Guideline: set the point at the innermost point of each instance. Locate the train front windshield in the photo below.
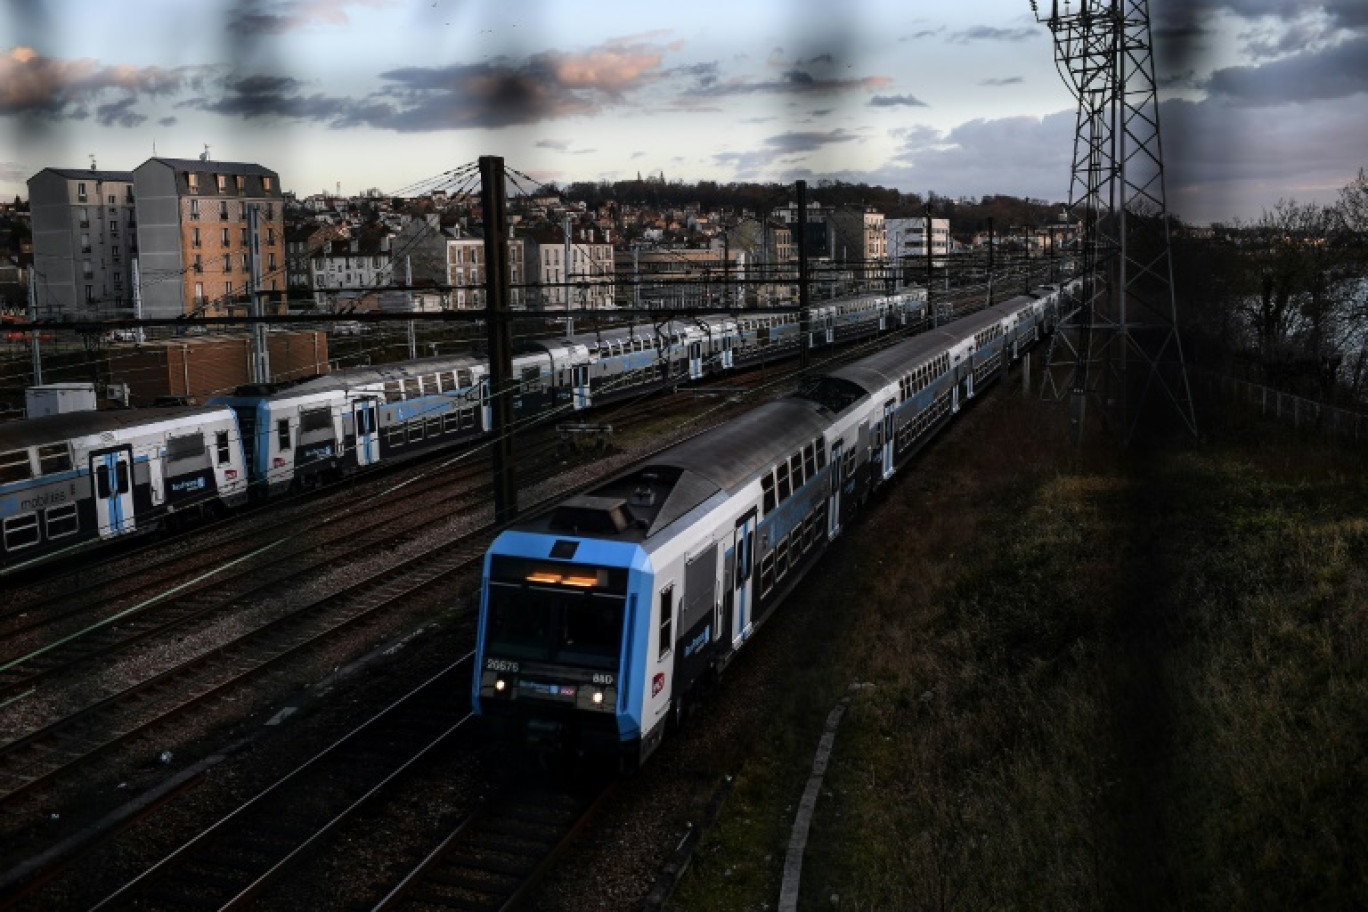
(556, 613)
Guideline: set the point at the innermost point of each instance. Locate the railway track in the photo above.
(233, 861)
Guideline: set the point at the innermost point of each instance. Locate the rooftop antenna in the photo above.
(92, 161)
(204, 156)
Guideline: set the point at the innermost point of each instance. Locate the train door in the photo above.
(834, 499)
(727, 352)
(695, 360)
(888, 437)
(830, 320)
(486, 410)
(367, 432)
(742, 556)
(584, 396)
(112, 474)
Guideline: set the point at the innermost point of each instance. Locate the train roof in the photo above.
(349, 377)
(52, 428)
(644, 500)
(846, 385)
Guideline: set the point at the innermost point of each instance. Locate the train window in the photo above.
(781, 551)
(820, 446)
(394, 391)
(21, 531)
(413, 387)
(188, 446)
(766, 574)
(531, 378)
(782, 476)
(467, 417)
(53, 457)
(62, 521)
(447, 381)
(451, 422)
(14, 466)
(415, 430)
(222, 453)
(434, 425)
(315, 419)
(396, 435)
(282, 434)
(767, 486)
(464, 379)
(796, 469)
(666, 619)
(809, 461)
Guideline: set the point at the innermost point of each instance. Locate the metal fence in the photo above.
(1286, 408)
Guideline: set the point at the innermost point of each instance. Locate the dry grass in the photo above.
(1101, 681)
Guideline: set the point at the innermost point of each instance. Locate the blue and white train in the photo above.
(263, 441)
(600, 618)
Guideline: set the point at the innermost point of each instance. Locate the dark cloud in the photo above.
(557, 145)
(792, 82)
(1003, 81)
(32, 84)
(990, 33)
(119, 114)
(1336, 72)
(894, 101)
(788, 143)
(259, 18)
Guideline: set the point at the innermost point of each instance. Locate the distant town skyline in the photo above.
(1261, 98)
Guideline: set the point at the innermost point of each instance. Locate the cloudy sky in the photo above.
(1263, 99)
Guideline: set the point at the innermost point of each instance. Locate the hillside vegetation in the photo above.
(1100, 679)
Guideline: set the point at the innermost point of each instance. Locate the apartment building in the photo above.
(347, 267)
(907, 245)
(860, 243)
(576, 272)
(194, 237)
(84, 242)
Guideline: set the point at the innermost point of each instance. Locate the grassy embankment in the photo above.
(1101, 679)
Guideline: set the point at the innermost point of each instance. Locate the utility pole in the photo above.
(261, 358)
(803, 316)
(34, 344)
(502, 386)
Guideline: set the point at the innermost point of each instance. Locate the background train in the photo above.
(67, 481)
(600, 618)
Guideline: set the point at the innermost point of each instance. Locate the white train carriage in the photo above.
(357, 417)
(81, 477)
(598, 619)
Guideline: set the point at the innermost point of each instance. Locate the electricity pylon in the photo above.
(1118, 343)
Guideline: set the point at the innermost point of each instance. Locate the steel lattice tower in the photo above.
(1118, 346)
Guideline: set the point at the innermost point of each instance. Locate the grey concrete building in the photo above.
(84, 242)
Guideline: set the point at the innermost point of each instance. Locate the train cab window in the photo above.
(315, 419)
(666, 619)
(531, 378)
(809, 461)
(222, 453)
(413, 387)
(187, 446)
(283, 434)
(14, 466)
(53, 457)
(767, 487)
(782, 476)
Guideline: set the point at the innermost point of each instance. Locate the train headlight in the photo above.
(500, 685)
(597, 698)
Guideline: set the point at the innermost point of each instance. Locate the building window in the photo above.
(246, 238)
(198, 265)
(270, 212)
(192, 181)
(227, 262)
(90, 294)
(194, 208)
(241, 184)
(194, 237)
(114, 227)
(84, 213)
(223, 210)
(270, 235)
(271, 260)
(224, 239)
(227, 289)
(242, 212)
(85, 243)
(222, 183)
(81, 192)
(266, 184)
(111, 199)
(199, 294)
